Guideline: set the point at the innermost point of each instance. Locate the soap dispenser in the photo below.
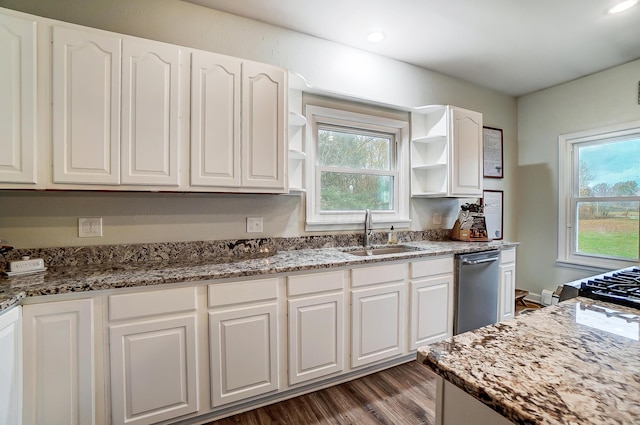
(392, 236)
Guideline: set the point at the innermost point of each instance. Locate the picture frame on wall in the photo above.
(492, 152)
(493, 204)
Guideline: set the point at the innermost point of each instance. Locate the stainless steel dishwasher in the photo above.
(476, 290)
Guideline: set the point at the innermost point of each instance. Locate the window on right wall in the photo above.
(599, 197)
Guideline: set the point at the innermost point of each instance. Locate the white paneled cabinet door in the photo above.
(153, 370)
(466, 138)
(11, 367)
(59, 366)
(215, 120)
(243, 348)
(18, 100)
(506, 304)
(315, 336)
(150, 113)
(378, 317)
(431, 310)
(263, 127)
(86, 107)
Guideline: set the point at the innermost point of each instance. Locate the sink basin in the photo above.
(397, 249)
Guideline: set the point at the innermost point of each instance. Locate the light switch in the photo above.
(90, 227)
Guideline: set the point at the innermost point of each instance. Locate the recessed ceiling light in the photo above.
(622, 6)
(376, 36)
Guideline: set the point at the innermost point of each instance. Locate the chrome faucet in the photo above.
(367, 227)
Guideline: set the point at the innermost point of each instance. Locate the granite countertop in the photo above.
(577, 362)
(80, 276)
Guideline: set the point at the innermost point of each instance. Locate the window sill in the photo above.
(377, 225)
(597, 266)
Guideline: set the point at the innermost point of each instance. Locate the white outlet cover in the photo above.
(254, 225)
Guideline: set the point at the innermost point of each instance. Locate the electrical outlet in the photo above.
(90, 227)
(254, 225)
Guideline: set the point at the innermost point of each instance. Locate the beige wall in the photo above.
(606, 98)
(36, 219)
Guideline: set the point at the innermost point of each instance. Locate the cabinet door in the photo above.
(378, 317)
(17, 100)
(86, 107)
(153, 370)
(59, 367)
(243, 348)
(466, 152)
(150, 113)
(263, 126)
(215, 120)
(315, 337)
(431, 310)
(507, 305)
(11, 367)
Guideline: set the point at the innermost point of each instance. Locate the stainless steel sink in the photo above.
(396, 249)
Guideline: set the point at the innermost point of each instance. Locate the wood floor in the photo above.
(404, 394)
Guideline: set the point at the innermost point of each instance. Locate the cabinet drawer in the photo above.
(378, 274)
(313, 283)
(242, 292)
(150, 303)
(508, 256)
(431, 267)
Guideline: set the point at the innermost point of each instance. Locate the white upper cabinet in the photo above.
(215, 120)
(446, 152)
(238, 125)
(17, 100)
(116, 109)
(264, 116)
(86, 107)
(150, 113)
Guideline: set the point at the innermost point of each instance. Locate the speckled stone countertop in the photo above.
(89, 269)
(577, 362)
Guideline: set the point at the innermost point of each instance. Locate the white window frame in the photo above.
(317, 220)
(567, 181)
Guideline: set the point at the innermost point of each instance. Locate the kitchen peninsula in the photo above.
(573, 363)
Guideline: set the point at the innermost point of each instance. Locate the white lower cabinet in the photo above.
(11, 367)
(59, 366)
(507, 292)
(243, 340)
(431, 316)
(153, 357)
(378, 313)
(316, 325)
(145, 347)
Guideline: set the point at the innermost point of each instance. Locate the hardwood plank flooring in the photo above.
(400, 395)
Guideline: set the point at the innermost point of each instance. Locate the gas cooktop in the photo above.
(620, 287)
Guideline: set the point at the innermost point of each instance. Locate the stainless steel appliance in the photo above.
(476, 290)
(620, 287)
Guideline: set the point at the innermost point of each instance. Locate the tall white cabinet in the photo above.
(446, 152)
(18, 123)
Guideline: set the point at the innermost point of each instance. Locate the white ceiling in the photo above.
(513, 46)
